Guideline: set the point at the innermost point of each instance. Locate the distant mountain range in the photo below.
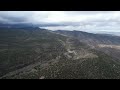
(29, 52)
(110, 33)
(17, 26)
(28, 25)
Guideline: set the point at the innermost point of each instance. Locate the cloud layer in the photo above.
(68, 20)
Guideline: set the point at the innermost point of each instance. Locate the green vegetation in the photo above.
(44, 55)
(96, 68)
(19, 48)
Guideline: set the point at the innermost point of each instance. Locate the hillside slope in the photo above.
(106, 43)
(43, 54)
(19, 48)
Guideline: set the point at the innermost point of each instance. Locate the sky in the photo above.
(90, 21)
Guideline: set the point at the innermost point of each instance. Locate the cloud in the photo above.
(22, 16)
(69, 20)
(59, 16)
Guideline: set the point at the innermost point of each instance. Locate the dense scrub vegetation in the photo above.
(93, 68)
(19, 48)
(41, 54)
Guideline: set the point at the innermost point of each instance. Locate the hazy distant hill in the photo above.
(33, 53)
(108, 33)
(106, 43)
(91, 38)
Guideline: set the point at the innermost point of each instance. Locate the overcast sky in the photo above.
(91, 21)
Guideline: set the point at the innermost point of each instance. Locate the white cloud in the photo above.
(74, 20)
